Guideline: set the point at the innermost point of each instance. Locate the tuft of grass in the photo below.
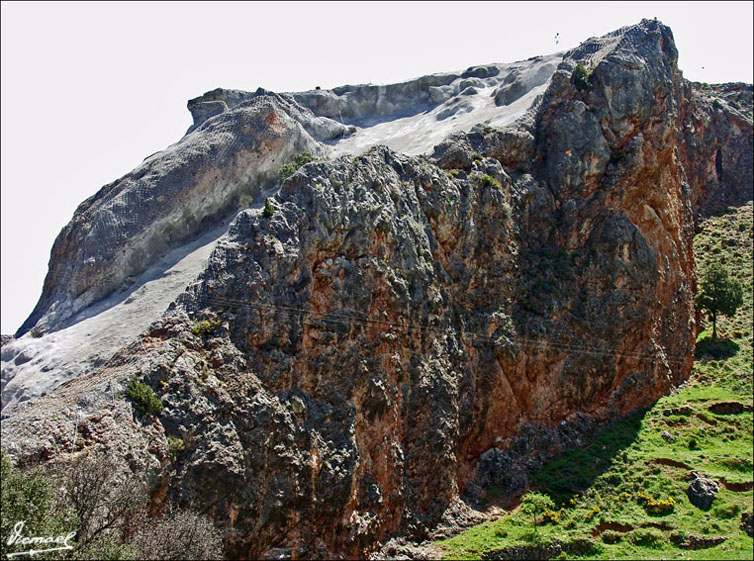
(487, 181)
(175, 445)
(647, 538)
(298, 161)
(245, 200)
(205, 327)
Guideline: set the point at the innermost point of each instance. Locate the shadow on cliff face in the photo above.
(163, 267)
(576, 470)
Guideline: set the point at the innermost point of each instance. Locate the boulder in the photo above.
(701, 492)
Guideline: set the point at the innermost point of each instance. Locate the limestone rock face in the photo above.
(166, 201)
(717, 147)
(402, 332)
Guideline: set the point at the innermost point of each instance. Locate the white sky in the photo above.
(89, 90)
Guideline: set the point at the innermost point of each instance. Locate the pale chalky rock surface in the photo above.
(165, 202)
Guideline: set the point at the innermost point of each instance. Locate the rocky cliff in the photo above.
(401, 330)
(166, 201)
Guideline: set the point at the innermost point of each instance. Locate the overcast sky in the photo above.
(89, 90)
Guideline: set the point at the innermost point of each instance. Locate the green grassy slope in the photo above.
(624, 495)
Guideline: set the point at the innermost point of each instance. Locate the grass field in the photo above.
(624, 495)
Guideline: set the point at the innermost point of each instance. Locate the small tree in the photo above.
(533, 504)
(182, 534)
(104, 505)
(144, 398)
(718, 294)
(28, 498)
(582, 79)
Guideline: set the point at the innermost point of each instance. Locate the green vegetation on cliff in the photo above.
(144, 398)
(624, 496)
(300, 159)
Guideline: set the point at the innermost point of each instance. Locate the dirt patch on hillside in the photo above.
(670, 462)
(614, 526)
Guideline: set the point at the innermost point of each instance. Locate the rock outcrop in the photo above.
(400, 331)
(166, 201)
(717, 149)
(747, 523)
(115, 247)
(701, 492)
